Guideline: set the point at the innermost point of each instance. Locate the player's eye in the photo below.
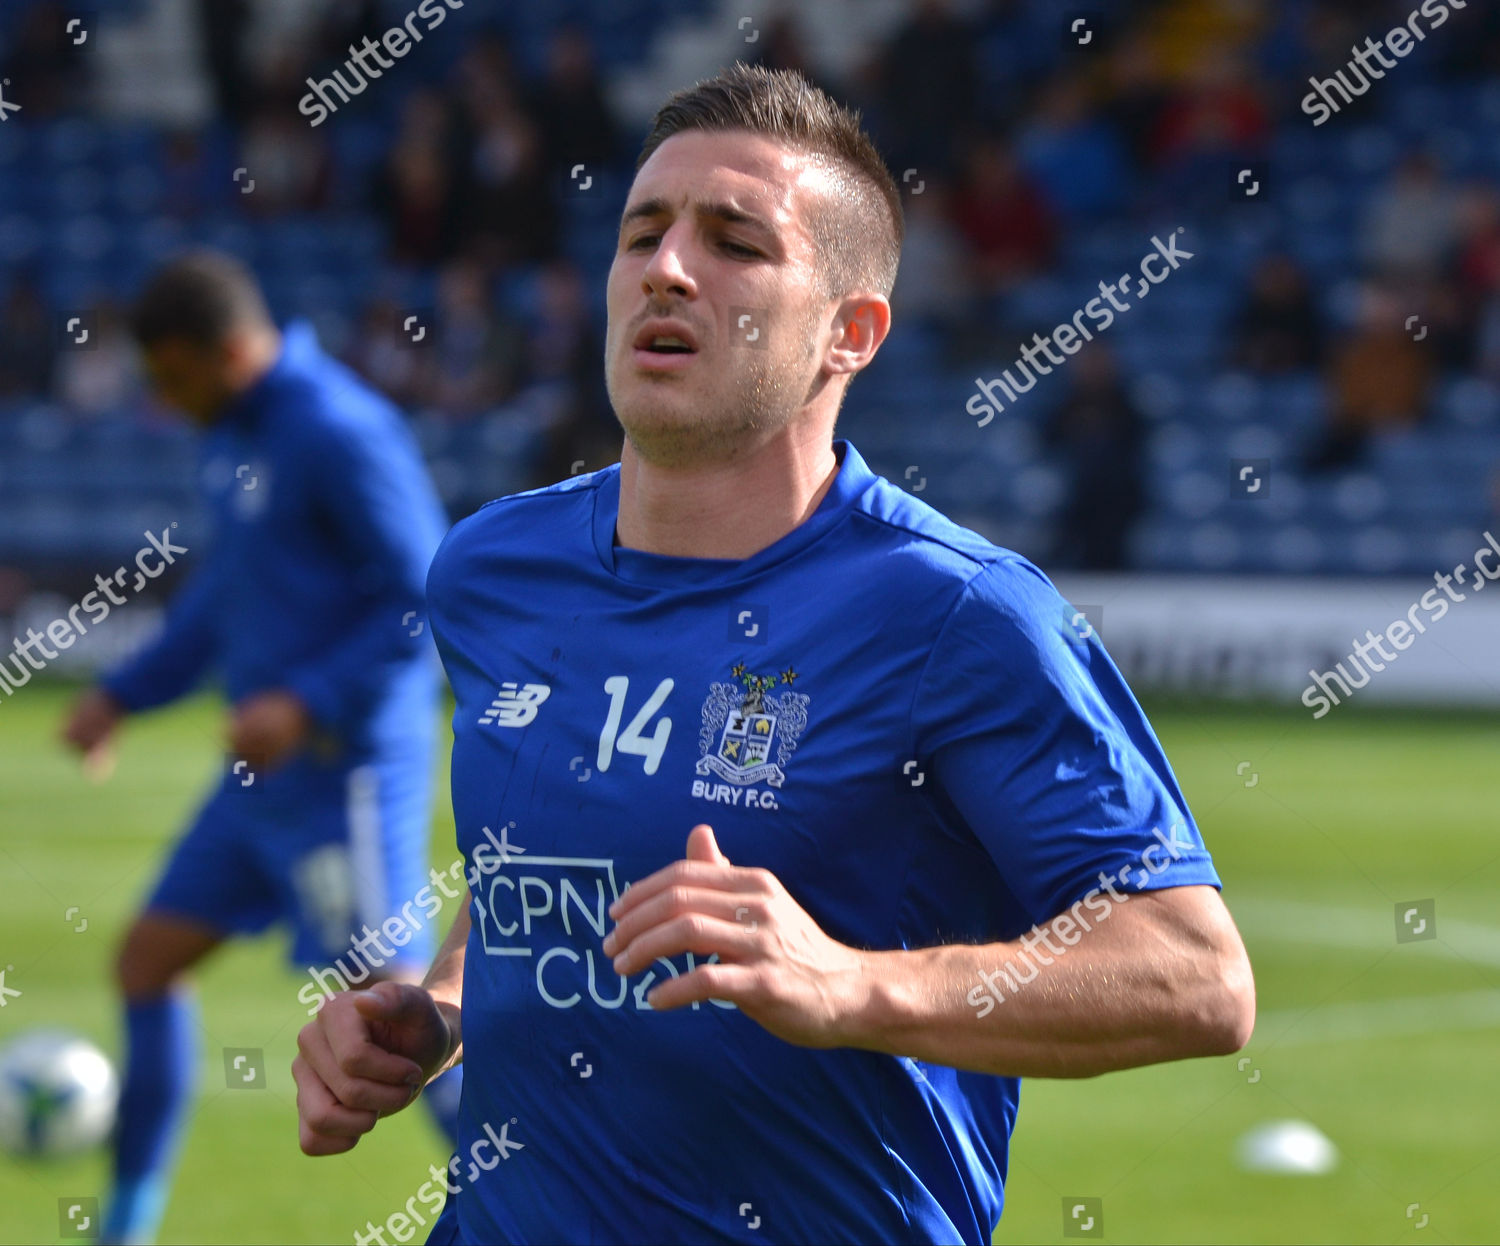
(734, 248)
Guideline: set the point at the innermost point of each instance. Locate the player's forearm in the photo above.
(174, 663)
(445, 980)
(1044, 1008)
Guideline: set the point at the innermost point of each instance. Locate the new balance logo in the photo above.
(515, 707)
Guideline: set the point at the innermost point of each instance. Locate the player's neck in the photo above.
(722, 509)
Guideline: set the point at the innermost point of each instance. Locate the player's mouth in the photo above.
(665, 345)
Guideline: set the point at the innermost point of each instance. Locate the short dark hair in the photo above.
(201, 296)
(859, 240)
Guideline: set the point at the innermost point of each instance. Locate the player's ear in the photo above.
(861, 325)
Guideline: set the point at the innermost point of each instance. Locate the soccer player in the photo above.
(308, 603)
(932, 844)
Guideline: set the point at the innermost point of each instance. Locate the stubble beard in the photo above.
(758, 401)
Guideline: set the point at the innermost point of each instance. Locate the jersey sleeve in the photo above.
(440, 587)
(1037, 743)
(172, 665)
(375, 496)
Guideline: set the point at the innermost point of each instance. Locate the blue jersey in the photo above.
(892, 715)
(324, 523)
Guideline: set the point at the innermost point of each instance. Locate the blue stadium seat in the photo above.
(1296, 548)
(1368, 151)
(1293, 399)
(70, 140)
(1468, 402)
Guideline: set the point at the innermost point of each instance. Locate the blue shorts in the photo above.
(330, 849)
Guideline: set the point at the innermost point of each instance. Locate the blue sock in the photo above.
(160, 1068)
(441, 1096)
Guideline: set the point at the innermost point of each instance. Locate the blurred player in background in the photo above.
(753, 641)
(308, 604)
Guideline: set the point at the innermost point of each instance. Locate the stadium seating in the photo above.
(86, 210)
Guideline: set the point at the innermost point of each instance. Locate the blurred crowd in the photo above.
(1017, 143)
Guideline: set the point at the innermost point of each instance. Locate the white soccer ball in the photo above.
(1292, 1147)
(58, 1094)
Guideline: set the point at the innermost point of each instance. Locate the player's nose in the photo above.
(666, 272)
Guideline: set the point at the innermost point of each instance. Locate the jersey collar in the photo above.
(666, 571)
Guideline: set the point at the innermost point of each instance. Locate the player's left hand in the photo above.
(775, 963)
(267, 727)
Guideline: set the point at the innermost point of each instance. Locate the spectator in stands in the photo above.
(927, 78)
(1076, 159)
(414, 190)
(564, 347)
(1478, 274)
(105, 379)
(479, 351)
(1015, 49)
(1212, 126)
(1477, 53)
(27, 350)
(561, 342)
(1479, 242)
(1010, 228)
(1450, 319)
(1279, 327)
(507, 211)
(1137, 95)
(573, 116)
(1380, 378)
(1099, 433)
(933, 283)
(223, 26)
(385, 357)
(288, 160)
(48, 74)
(342, 24)
(781, 46)
(486, 58)
(1411, 224)
(1216, 115)
(1190, 33)
(1330, 28)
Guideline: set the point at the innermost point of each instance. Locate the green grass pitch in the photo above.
(1319, 828)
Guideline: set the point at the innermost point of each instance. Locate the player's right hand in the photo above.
(365, 1055)
(91, 724)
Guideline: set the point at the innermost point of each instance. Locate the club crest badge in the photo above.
(748, 734)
